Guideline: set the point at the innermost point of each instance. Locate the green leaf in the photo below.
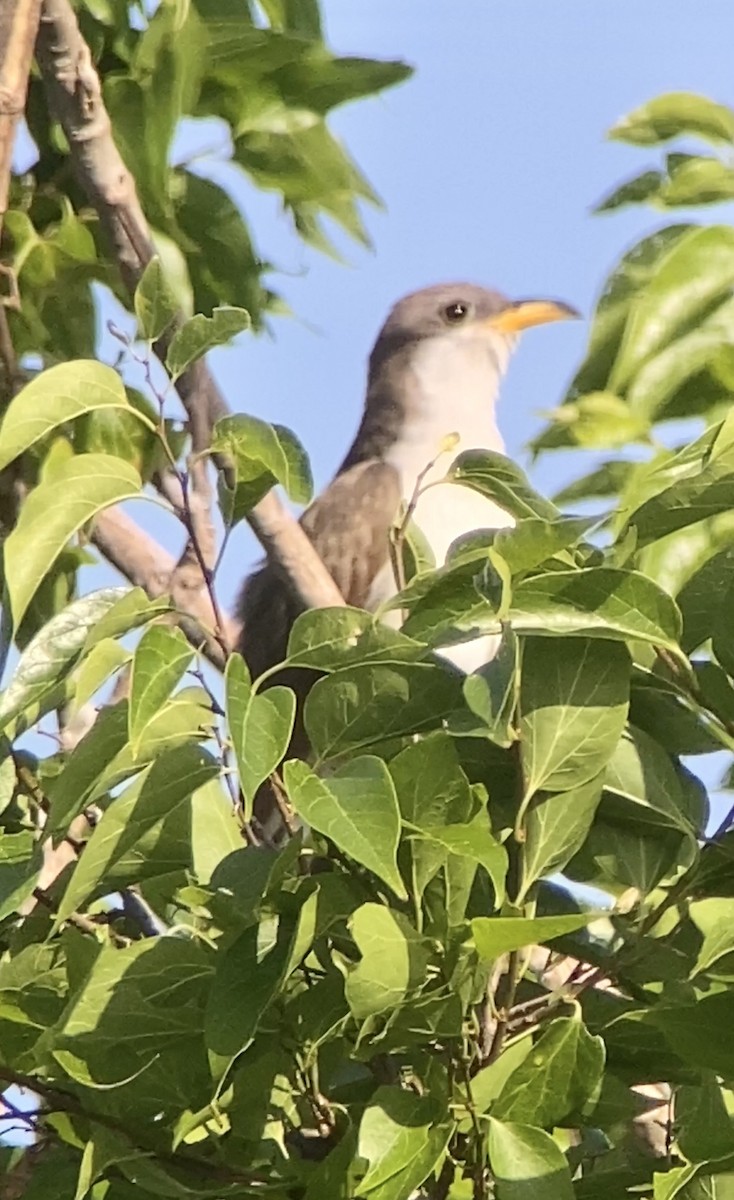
(556, 825)
(688, 500)
(154, 795)
(402, 1139)
(535, 539)
(490, 1081)
(262, 456)
(161, 658)
(700, 1032)
(573, 705)
(499, 479)
(53, 652)
(495, 936)
(53, 513)
(329, 638)
(131, 610)
(491, 694)
(363, 706)
(56, 396)
(697, 180)
(673, 114)
(639, 190)
(474, 842)
(641, 774)
(527, 1164)
(661, 378)
(705, 1129)
(692, 276)
(598, 602)
(200, 334)
(700, 598)
(714, 918)
(86, 766)
(356, 807)
(260, 726)
(393, 960)
(155, 305)
(560, 1079)
(248, 977)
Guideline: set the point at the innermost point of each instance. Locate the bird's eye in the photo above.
(456, 312)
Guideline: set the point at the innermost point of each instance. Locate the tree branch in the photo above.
(75, 98)
(18, 28)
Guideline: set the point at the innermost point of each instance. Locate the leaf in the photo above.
(713, 918)
(402, 1140)
(260, 726)
(53, 512)
(697, 180)
(559, 1079)
(673, 114)
(161, 658)
(686, 501)
(527, 1164)
(157, 791)
(491, 694)
(262, 456)
(497, 478)
(643, 775)
(705, 1129)
(130, 611)
(55, 396)
(393, 960)
(87, 764)
(696, 272)
(474, 842)
(356, 807)
(535, 539)
(556, 825)
(490, 1080)
(573, 705)
(155, 305)
(363, 706)
(249, 975)
(53, 652)
(700, 598)
(662, 377)
(699, 1032)
(642, 188)
(200, 334)
(495, 936)
(329, 638)
(598, 602)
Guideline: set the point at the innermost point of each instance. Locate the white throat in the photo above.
(456, 382)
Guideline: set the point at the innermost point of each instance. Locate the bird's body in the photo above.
(435, 371)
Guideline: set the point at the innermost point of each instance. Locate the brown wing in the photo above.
(349, 525)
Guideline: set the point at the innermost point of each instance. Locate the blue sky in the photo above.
(488, 162)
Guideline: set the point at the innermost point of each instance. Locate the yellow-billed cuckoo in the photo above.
(435, 370)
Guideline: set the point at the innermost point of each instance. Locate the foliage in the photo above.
(359, 1011)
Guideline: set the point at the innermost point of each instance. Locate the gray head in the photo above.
(466, 325)
(462, 311)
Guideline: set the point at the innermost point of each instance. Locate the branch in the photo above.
(75, 98)
(18, 27)
(142, 561)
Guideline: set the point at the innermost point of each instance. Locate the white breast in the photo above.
(453, 385)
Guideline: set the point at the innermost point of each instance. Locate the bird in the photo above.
(433, 380)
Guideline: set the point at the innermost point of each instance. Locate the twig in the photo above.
(399, 530)
(504, 999)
